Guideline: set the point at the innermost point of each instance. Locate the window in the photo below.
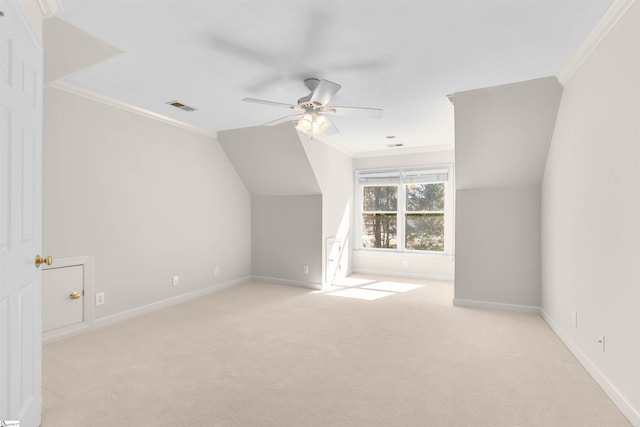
(404, 210)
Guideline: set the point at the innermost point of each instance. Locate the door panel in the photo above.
(4, 361)
(26, 190)
(27, 380)
(5, 171)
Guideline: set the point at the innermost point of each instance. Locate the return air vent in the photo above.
(181, 106)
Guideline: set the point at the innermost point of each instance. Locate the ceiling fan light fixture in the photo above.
(305, 124)
(320, 124)
(313, 123)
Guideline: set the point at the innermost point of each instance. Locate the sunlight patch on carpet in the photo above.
(365, 294)
(393, 287)
(352, 281)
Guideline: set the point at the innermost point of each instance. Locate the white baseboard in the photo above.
(64, 332)
(529, 309)
(397, 273)
(632, 414)
(296, 283)
(134, 312)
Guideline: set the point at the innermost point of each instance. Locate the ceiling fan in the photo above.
(311, 110)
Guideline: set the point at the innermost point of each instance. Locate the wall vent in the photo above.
(181, 106)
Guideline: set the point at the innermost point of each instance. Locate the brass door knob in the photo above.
(74, 295)
(39, 260)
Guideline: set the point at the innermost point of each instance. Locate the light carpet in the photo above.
(372, 352)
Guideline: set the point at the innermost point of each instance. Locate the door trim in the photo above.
(88, 299)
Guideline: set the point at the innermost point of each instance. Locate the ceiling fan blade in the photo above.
(262, 101)
(367, 64)
(288, 118)
(324, 92)
(332, 129)
(242, 50)
(373, 113)
(264, 83)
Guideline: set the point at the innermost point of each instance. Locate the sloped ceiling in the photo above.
(270, 160)
(69, 49)
(503, 133)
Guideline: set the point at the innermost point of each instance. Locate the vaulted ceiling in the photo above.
(399, 55)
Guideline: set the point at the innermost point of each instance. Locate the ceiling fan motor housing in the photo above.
(306, 103)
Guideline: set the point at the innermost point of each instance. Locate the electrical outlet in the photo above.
(305, 269)
(216, 271)
(405, 264)
(176, 280)
(100, 298)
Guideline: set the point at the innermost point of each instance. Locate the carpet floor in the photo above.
(371, 352)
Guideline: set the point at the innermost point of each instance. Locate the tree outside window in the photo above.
(424, 217)
(380, 217)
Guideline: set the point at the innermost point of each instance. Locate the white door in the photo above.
(332, 265)
(62, 297)
(20, 218)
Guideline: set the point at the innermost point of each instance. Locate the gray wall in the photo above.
(502, 138)
(287, 235)
(146, 199)
(590, 215)
(498, 254)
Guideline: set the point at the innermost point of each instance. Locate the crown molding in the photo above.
(403, 151)
(103, 99)
(608, 22)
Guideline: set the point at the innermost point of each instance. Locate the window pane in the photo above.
(379, 231)
(425, 232)
(377, 198)
(425, 197)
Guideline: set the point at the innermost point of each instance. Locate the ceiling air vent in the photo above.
(394, 145)
(181, 106)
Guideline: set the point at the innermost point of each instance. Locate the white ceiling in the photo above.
(402, 56)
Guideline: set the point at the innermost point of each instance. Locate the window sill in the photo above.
(405, 255)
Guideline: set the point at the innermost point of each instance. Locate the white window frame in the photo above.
(402, 177)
